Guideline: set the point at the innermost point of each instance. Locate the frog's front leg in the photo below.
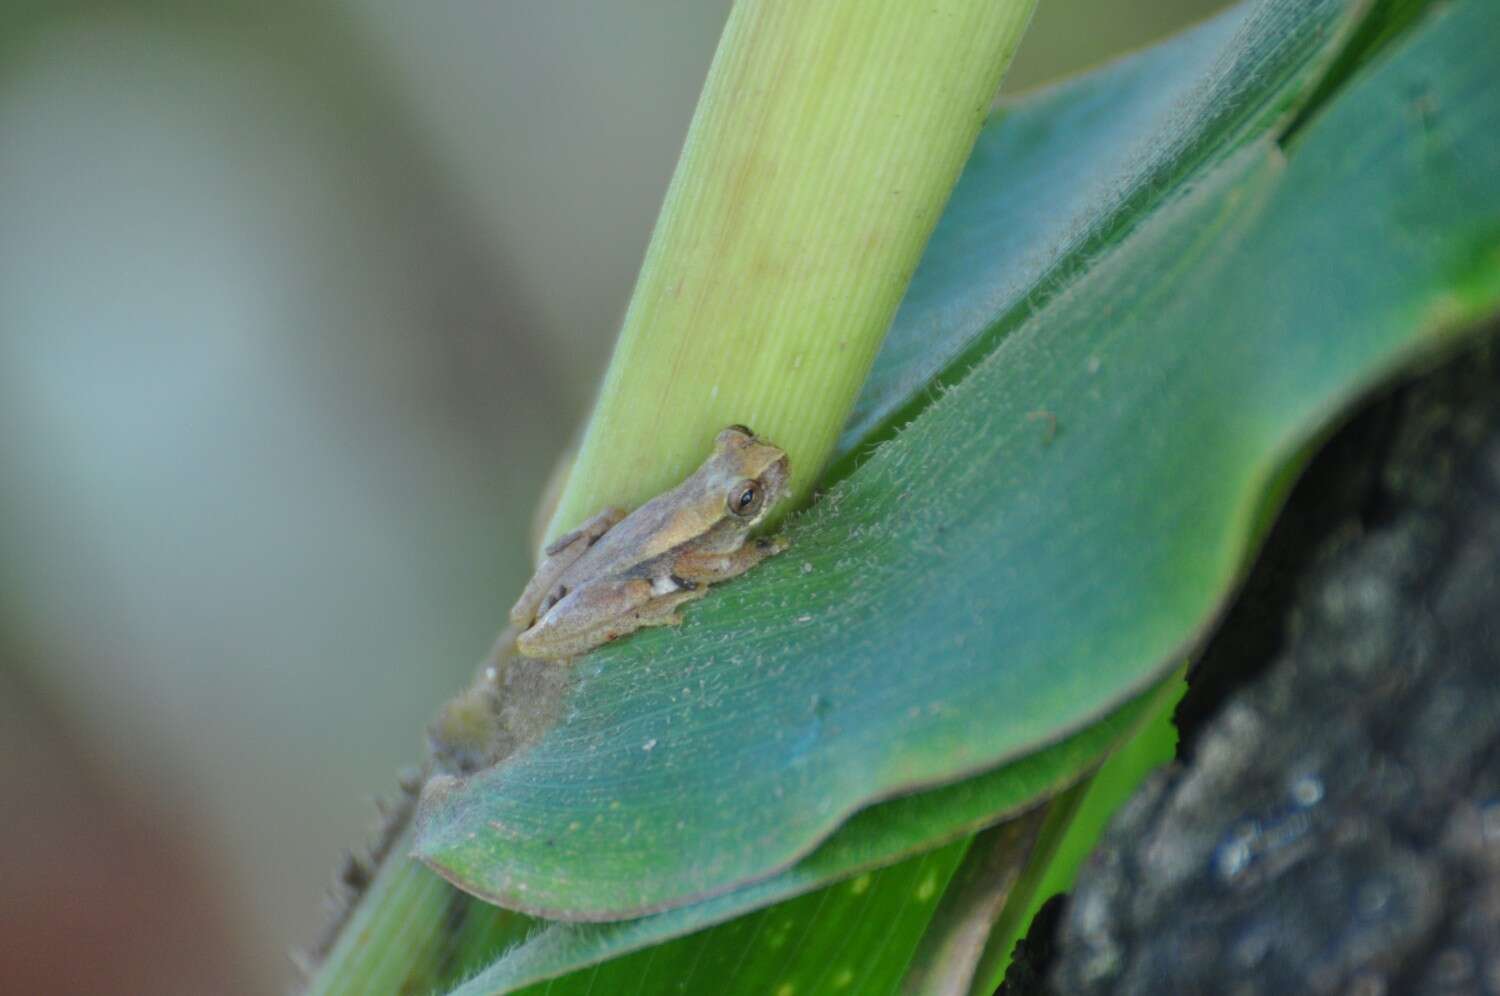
(559, 557)
(700, 568)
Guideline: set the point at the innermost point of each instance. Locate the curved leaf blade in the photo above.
(873, 838)
(1232, 322)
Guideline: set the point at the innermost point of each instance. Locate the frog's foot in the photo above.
(662, 610)
(583, 619)
(605, 611)
(710, 568)
(772, 545)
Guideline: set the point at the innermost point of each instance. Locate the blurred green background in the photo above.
(298, 303)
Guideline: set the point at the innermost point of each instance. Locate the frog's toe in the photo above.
(772, 545)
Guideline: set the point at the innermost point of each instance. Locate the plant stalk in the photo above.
(826, 142)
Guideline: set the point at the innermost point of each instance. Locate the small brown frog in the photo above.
(620, 572)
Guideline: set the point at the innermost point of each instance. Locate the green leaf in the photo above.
(1060, 177)
(789, 948)
(875, 837)
(1045, 539)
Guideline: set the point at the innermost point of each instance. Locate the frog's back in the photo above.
(637, 542)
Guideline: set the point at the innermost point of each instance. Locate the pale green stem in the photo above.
(391, 935)
(827, 140)
(412, 932)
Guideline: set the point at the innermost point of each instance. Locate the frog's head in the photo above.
(750, 473)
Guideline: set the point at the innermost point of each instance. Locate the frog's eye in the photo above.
(744, 499)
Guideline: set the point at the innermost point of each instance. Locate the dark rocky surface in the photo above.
(1334, 824)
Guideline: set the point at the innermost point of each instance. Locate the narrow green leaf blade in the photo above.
(1082, 164)
(853, 937)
